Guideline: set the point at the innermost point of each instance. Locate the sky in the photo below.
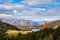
(35, 10)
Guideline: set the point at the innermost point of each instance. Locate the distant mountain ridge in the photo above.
(29, 23)
(20, 22)
(52, 24)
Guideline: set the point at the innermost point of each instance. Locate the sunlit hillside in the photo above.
(15, 32)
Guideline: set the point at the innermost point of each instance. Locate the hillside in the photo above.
(52, 24)
(20, 22)
(7, 26)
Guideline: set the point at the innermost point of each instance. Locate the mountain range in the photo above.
(54, 23)
(11, 23)
(29, 23)
(20, 22)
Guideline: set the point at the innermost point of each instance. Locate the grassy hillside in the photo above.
(7, 26)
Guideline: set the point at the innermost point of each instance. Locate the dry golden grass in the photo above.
(23, 32)
(55, 27)
(14, 33)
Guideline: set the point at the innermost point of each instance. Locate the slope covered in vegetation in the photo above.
(43, 34)
(7, 26)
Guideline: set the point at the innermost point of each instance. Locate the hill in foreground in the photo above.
(7, 26)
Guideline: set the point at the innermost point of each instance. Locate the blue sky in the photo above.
(36, 10)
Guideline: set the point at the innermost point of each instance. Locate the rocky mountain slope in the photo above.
(20, 22)
(52, 24)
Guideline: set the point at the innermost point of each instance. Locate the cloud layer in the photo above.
(30, 10)
(36, 2)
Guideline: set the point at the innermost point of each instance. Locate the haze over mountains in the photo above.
(20, 22)
(28, 23)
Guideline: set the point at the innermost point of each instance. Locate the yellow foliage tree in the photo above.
(46, 25)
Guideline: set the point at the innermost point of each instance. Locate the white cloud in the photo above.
(36, 2)
(52, 12)
(39, 15)
(5, 15)
(49, 19)
(26, 12)
(46, 19)
(38, 12)
(35, 15)
(12, 6)
(15, 11)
